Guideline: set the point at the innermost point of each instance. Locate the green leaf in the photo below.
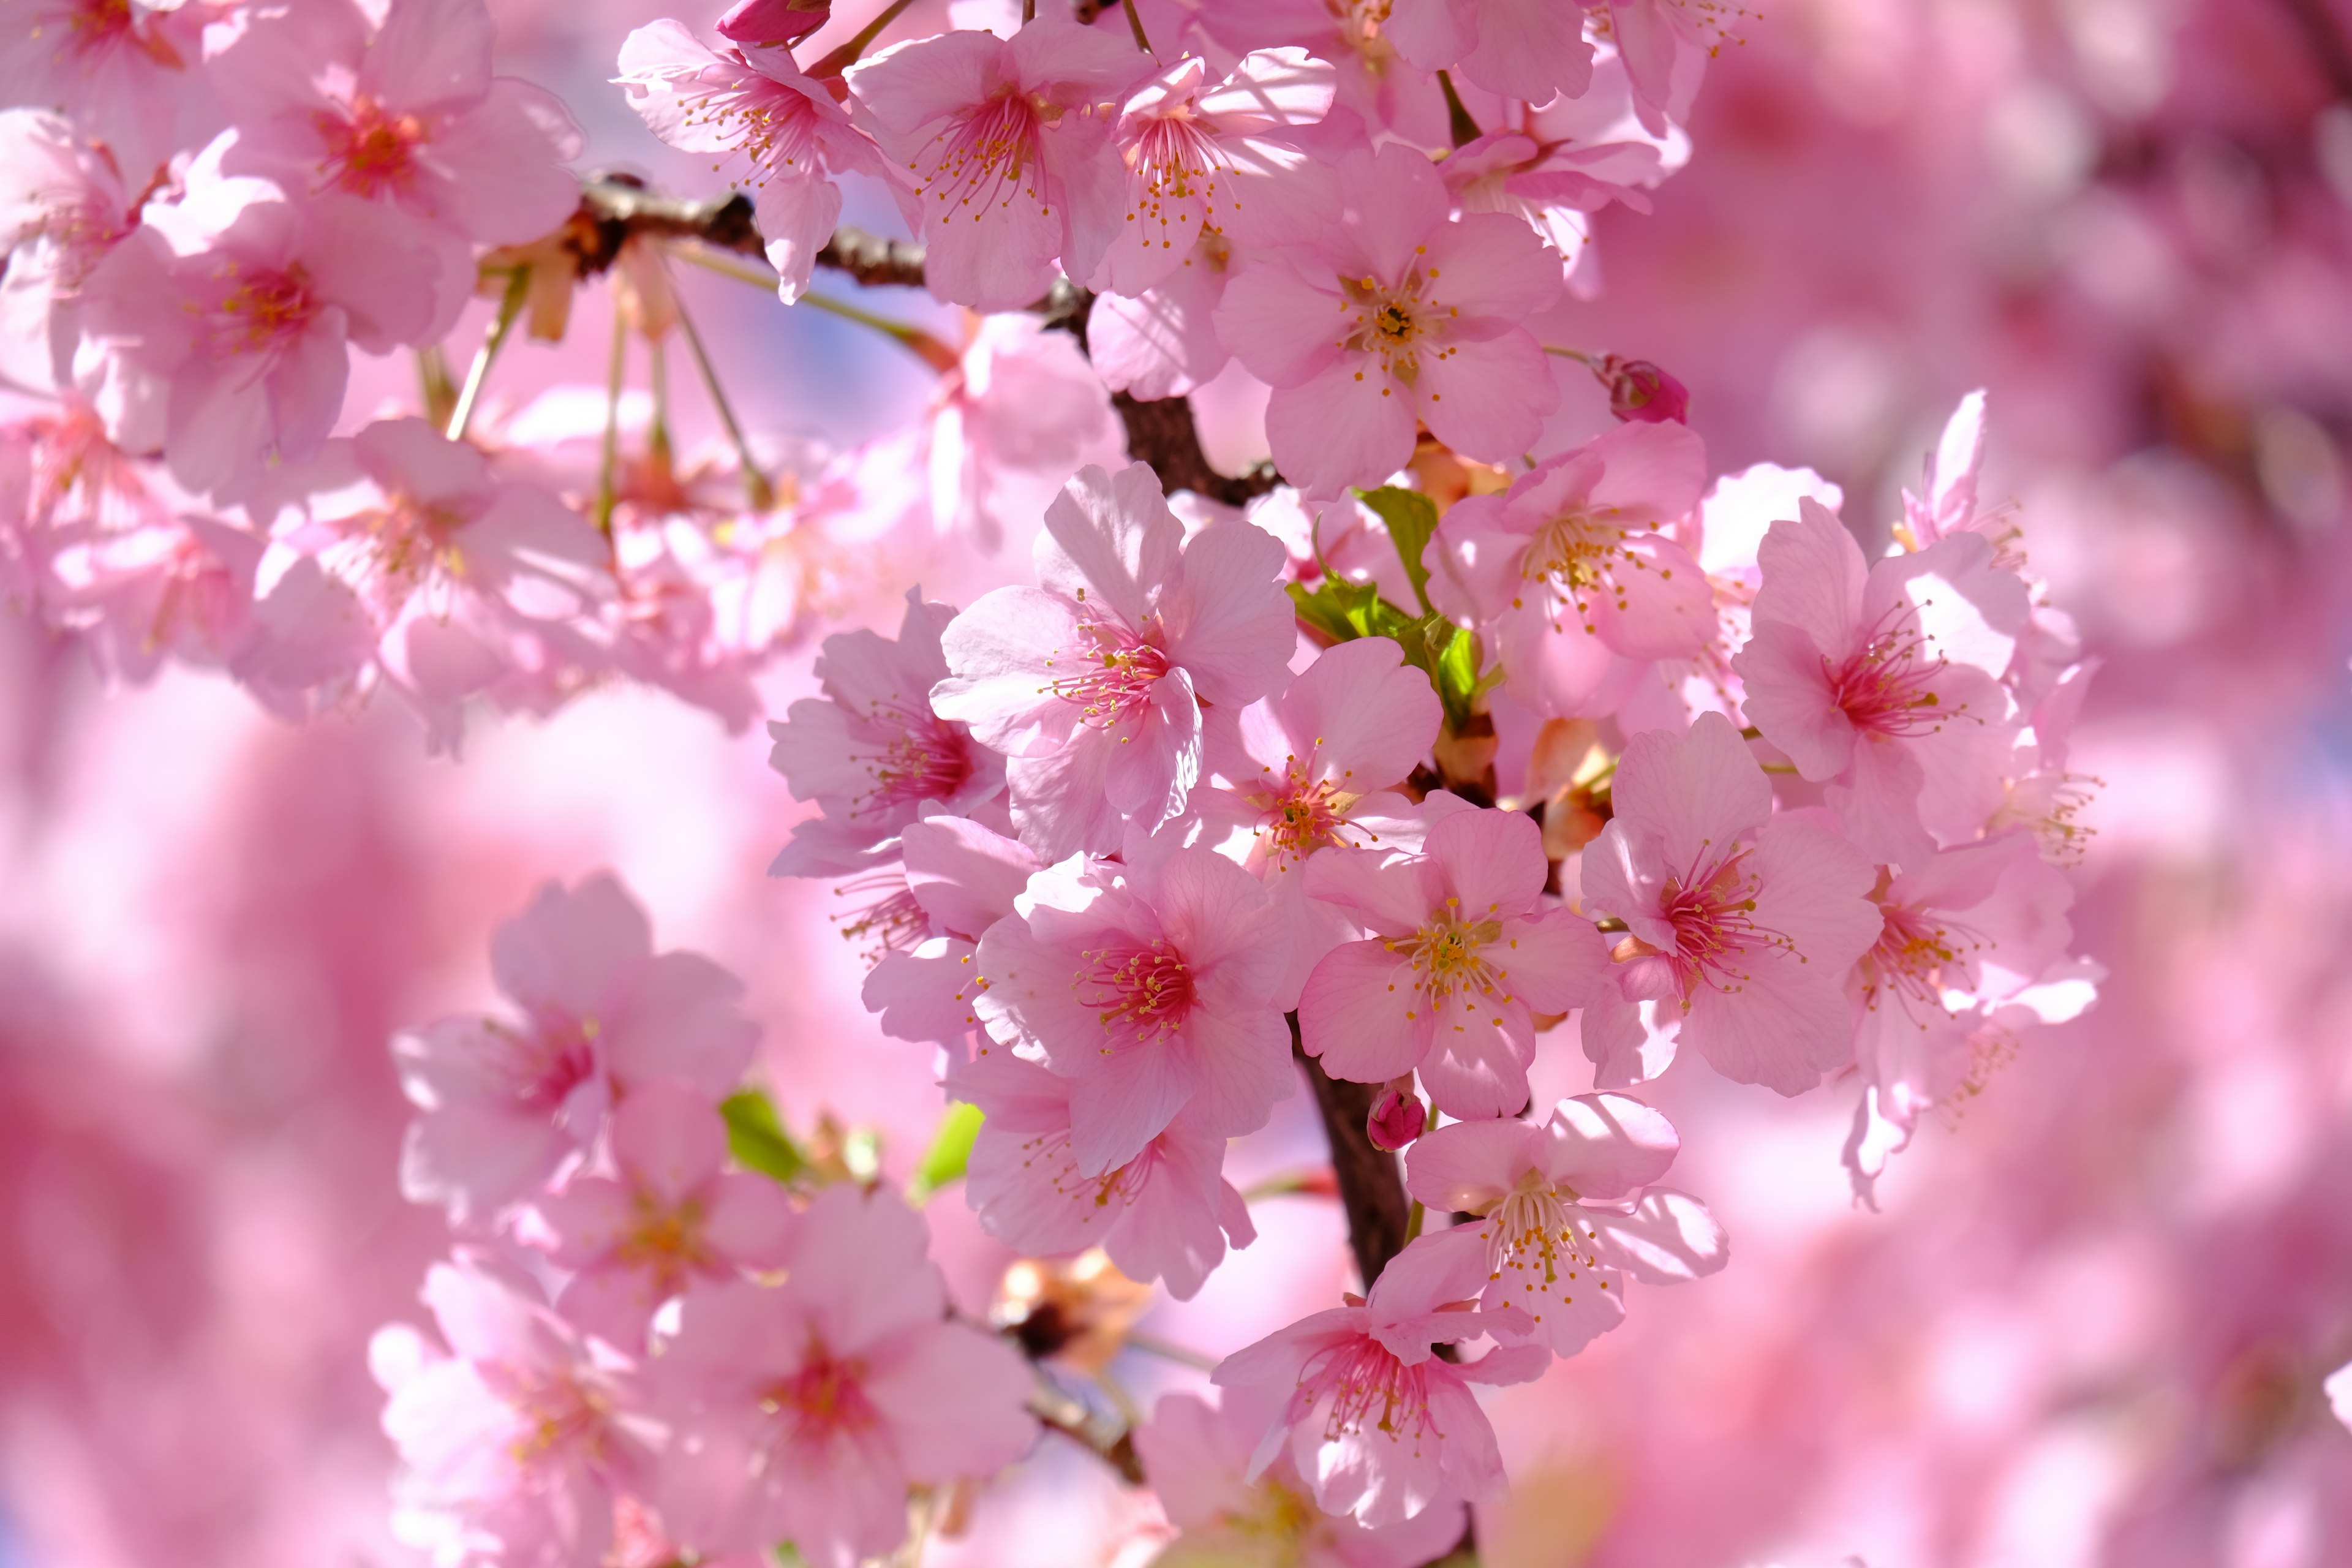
(951, 1151)
(1411, 518)
(756, 1136)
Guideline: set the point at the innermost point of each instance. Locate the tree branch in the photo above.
(616, 207)
(1371, 1189)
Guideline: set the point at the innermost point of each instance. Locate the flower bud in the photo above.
(757, 24)
(1640, 391)
(1398, 1116)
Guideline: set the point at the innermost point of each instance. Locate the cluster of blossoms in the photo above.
(1432, 751)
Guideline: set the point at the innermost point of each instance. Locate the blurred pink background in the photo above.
(2090, 1324)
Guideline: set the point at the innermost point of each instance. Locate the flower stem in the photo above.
(758, 492)
(608, 466)
(1135, 26)
(1578, 355)
(916, 340)
(434, 385)
(509, 307)
(841, 58)
(1464, 130)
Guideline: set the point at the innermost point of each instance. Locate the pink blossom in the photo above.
(1464, 952)
(1526, 49)
(756, 104)
(1742, 924)
(1000, 141)
(517, 1444)
(62, 207)
(231, 313)
(1092, 682)
(959, 878)
(1319, 766)
(1163, 341)
(1022, 410)
(672, 1218)
(1379, 1428)
(772, 24)
(405, 111)
(505, 1103)
(1199, 1460)
(1575, 570)
(130, 73)
(1197, 158)
(437, 575)
(1883, 679)
(1382, 311)
(1167, 1213)
(1666, 44)
(1154, 987)
(1970, 928)
(871, 752)
(1949, 503)
(1566, 1209)
(806, 1411)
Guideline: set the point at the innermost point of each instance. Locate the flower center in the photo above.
(1302, 816)
(823, 1398)
(771, 126)
(923, 758)
(1448, 956)
(1531, 1242)
(1887, 685)
(1712, 911)
(1173, 160)
(1911, 954)
(259, 311)
(1394, 324)
(1144, 992)
(1370, 1387)
(1114, 679)
(985, 157)
(542, 1065)
(558, 1417)
(370, 150)
(1579, 555)
(890, 921)
(664, 1242)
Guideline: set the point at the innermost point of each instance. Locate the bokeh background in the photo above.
(2090, 1323)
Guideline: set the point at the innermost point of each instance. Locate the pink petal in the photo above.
(1355, 1015)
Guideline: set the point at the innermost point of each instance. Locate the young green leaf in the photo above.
(756, 1136)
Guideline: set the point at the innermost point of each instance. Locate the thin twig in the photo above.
(757, 489)
(841, 58)
(608, 466)
(1135, 26)
(509, 307)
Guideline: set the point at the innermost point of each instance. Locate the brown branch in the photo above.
(1371, 1189)
(1057, 1412)
(615, 207)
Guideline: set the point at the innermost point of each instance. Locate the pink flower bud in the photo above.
(1398, 1116)
(757, 24)
(1640, 391)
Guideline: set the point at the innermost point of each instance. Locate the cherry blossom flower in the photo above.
(772, 24)
(672, 1219)
(1380, 1428)
(62, 207)
(1199, 1458)
(1163, 341)
(961, 878)
(1575, 571)
(1949, 503)
(1167, 1213)
(1381, 311)
(1092, 682)
(1319, 766)
(1970, 928)
(128, 72)
(756, 104)
(1153, 986)
(518, 1443)
(999, 139)
(233, 311)
(1196, 157)
(1883, 679)
(437, 574)
(1516, 48)
(1742, 924)
(405, 111)
(804, 1412)
(1666, 44)
(1566, 1209)
(1021, 411)
(504, 1104)
(871, 752)
(1464, 952)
